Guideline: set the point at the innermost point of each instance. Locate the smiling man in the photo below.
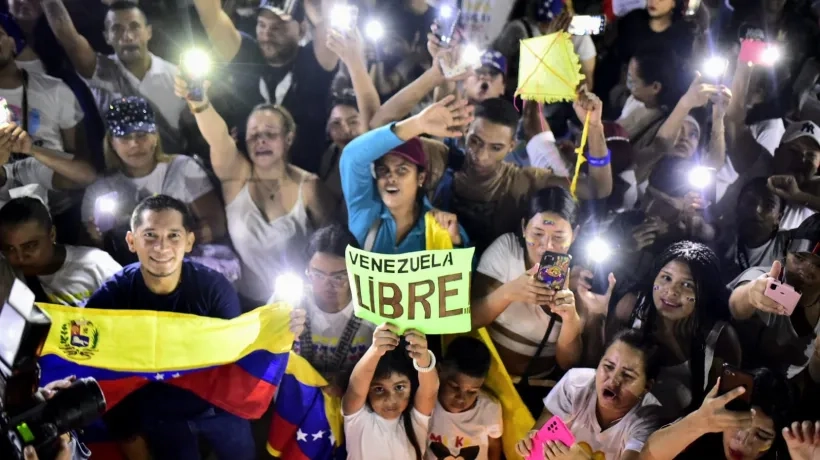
(172, 419)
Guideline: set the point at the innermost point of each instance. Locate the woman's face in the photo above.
(136, 150)
(398, 181)
(659, 8)
(620, 379)
(642, 91)
(267, 139)
(344, 125)
(328, 278)
(547, 231)
(687, 141)
(674, 291)
(750, 443)
(389, 396)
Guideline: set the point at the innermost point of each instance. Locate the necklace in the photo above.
(269, 190)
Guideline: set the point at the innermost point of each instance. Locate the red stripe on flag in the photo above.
(116, 390)
(230, 388)
(106, 450)
(281, 434)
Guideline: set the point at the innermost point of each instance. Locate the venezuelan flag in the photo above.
(307, 424)
(234, 364)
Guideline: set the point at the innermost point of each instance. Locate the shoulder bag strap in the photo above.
(345, 341)
(709, 350)
(370, 239)
(525, 377)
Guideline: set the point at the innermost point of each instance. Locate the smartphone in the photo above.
(587, 25)
(446, 23)
(692, 7)
(196, 65)
(731, 378)
(783, 294)
(554, 430)
(554, 269)
(343, 18)
(105, 217)
(5, 113)
(758, 52)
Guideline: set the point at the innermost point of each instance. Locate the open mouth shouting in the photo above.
(391, 190)
(610, 393)
(264, 153)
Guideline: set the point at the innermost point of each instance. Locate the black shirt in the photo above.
(307, 99)
(634, 34)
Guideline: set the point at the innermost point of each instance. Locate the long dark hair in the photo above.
(711, 303)
(659, 65)
(397, 361)
(556, 200)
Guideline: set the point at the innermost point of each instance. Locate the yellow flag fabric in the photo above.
(549, 70)
(162, 341)
(436, 236)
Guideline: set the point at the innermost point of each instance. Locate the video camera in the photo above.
(26, 418)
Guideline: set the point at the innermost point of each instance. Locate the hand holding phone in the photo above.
(758, 52)
(343, 18)
(553, 430)
(783, 294)
(731, 378)
(446, 23)
(554, 270)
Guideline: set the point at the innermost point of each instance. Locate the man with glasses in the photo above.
(771, 336)
(333, 339)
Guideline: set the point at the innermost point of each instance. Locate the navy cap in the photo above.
(130, 114)
(494, 59)
(287, 10)
(548, 9)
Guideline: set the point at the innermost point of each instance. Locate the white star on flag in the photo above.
(175, 375)
(332, 439)
(159, 376)
(301, 435)
(318, 435)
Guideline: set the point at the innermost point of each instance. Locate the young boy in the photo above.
(466, 422)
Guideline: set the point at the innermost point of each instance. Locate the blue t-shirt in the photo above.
(201, 291)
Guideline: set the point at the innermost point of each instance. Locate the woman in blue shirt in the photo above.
(383, 172)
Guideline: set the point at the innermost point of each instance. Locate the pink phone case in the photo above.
(783, 294)
(553, 430)
(752, 51)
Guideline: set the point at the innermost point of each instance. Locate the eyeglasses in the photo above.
(338, 280)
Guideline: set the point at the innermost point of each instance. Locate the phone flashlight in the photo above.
(446, 23)
(701, 177)
(715, 67)
(471, 56)
(373, 30)
(105, 208)
(196, 65)
(598, 250)
(445, 12)
(343, 17)
(288, 288)
(770, 55)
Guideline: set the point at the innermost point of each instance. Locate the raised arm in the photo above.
(385, 338)
(220, 29)
(599, 180)
(425, 400)
(324, 55)
(350, 50)
(228, 163)
(79, 51)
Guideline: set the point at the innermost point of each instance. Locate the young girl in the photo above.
(380, 422)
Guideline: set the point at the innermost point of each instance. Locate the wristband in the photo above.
(431, 367)
(201, 108)
(596, 162)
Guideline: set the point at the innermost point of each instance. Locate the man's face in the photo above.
(487, 145)
(7, 49)
(127, 32)
(803, 272)
(25, 10)
(278, 39)
(160, 242)
(486, 83)
(800, 158)
(757, 216)
(29, 246)
(328, 277)
(344, 125)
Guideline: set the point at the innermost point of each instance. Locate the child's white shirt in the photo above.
(370, 437)
(466, 434)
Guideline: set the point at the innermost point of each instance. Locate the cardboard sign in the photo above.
(426, 290)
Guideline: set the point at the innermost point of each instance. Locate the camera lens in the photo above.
(76, 406)
(773, 287)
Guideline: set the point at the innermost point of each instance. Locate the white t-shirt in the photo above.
(83, 272)
(466, 434)
(325, 331)
(27, 171)
(574, 400)
(35, 65)
(370, 437)
(51, 107)
(504, 261)
(181, 178)
(111, 80)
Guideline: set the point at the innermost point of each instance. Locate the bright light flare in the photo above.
(106, 204)
(196, 62)
(445, 11)
(715, 66)
(471, 55)
(700, 177)
(374, 30)
(342, 17)
(770, 55)
(599, 250)
(288, 288)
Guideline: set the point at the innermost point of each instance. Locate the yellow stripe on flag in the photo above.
(436, 236)
(151, 341)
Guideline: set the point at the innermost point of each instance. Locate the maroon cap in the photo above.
(412, 151)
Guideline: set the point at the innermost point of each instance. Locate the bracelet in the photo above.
(424, 370)
(201, 108)
(596, 162)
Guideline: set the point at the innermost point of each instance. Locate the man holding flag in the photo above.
(172, 418)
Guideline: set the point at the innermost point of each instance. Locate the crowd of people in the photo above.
(693, 228)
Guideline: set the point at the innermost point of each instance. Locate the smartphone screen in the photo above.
(731, 378)
(587, 25)
(447, 21)
(343, 18)
(554, 269)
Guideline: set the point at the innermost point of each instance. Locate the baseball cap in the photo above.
(494, 59)
(806, 237)
(287, 10)
(800, 129)
(130, 114)
(412, 151)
